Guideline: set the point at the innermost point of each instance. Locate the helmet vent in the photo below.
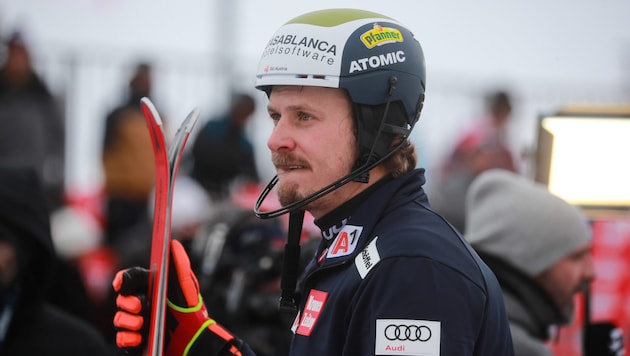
(314, 76)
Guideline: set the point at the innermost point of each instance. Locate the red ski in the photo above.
(166, 165)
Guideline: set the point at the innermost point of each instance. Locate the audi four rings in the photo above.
(403, 332)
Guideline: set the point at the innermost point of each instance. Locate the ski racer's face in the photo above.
(312, 144)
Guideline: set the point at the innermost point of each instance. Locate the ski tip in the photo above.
(149, 110)
(191, 120)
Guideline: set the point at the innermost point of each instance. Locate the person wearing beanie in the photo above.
(29, 323)
(538, 246)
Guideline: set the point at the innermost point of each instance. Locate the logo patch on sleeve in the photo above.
(345, 242)
(312, 309)
(407, 337)
(367, 259)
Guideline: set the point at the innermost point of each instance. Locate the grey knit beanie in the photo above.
(512, 217)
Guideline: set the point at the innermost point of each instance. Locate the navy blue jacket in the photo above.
(392, 277)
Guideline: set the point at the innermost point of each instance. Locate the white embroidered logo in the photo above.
(367, 259)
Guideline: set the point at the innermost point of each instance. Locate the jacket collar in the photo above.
(362, 212)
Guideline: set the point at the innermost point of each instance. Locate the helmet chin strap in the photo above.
(360, 174)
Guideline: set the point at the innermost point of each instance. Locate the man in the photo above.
(481, 147)
(222, 153)
(539, 248)
(29, 324)
(32, 125)
(127, 160)
(390, 276)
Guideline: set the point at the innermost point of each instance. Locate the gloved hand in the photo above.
(189, 329)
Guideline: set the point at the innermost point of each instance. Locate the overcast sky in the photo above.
(564, 38)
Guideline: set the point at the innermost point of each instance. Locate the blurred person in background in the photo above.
(483, 146)
(31, 121)
(127, 157)
(29, 324)
(222, 153)
(538, 246)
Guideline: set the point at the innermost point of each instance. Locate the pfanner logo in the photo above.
(380, 35)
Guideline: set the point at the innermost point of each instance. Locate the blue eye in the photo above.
(304, 116)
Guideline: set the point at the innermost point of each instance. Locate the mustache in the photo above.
(287, 159)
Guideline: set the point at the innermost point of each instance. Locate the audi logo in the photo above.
(407, 332)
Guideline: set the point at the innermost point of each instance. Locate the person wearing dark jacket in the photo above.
(29, 324)
(32, 127)
(222, 153)
(390, 276)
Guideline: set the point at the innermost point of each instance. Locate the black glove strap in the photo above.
(211, 344)
(291, 262)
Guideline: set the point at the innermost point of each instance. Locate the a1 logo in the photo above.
(346, 241)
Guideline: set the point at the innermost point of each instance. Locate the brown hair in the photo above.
(402, 161)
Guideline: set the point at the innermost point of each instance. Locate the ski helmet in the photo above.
(373, 57)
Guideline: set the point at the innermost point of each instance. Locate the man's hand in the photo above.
(189, 329)
(132, 286)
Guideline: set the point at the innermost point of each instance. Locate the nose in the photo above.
(281, 138)
(589, 268)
